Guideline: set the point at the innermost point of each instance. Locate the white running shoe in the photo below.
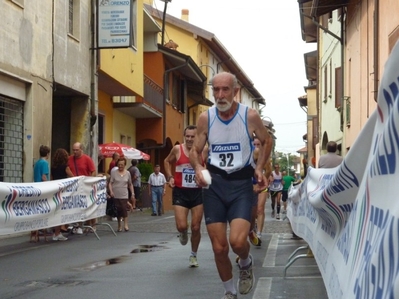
(246, 279)
(60, 237)
(79, 231)
(229, 295)
(193, 262)
(278, 216)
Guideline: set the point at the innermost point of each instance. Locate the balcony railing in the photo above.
(153, 94)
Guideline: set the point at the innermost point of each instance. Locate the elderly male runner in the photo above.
(228, 128)
(187, 195)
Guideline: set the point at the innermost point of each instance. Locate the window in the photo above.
(123, 139)
(348, 111)
(178, 94)
(11, 140)
(74, 18)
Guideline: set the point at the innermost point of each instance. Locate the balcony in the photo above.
(149, 107)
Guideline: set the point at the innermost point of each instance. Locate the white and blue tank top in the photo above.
(230, 142)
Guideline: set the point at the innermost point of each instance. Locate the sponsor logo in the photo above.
(230, 147)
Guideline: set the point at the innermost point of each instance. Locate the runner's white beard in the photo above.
(226, 105)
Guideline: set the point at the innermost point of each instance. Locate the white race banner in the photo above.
(33, 206)
(349, 215)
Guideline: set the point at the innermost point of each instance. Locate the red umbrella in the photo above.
(127, 151)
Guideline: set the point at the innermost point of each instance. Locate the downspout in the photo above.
(165, 97)
(376, 53)
(93, 85)
(343, 17)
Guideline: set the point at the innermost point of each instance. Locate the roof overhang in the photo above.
(303, 101)
(311, 65)
(149, 24)
(137, 110)
(308, 27)
(311, 10)
(111, 86)
(322, 7)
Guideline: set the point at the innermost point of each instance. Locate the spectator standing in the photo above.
(156, 189)
(187, 195)
(81, 164)
(136, 179)
(228, 128)
(60, 170)
(112, 164)
(119, 184)
(41, 170)
(288, 181)
(331, 159)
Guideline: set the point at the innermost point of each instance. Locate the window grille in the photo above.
(11, 140)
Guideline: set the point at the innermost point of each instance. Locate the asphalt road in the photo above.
(148, 262)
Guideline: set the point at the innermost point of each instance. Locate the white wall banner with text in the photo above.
(33, 206)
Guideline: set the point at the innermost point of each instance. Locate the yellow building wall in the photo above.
(105, 108)
(126, 65)
(126, 126)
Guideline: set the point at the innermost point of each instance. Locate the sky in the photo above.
(265, 40)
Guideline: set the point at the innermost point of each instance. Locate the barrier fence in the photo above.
(33, 206)
(349, 215)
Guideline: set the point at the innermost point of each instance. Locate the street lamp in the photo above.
(163, 19)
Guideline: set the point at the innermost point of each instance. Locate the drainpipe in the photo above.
(342, 69)
(376, 41)
(93, 86)
(165, 97)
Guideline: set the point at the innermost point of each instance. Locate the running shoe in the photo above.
(273, 213)
(253, 238)
(278, 216)
(229, 295)
(60, 237)
(183, 238)
(246, 278)
(193, 262)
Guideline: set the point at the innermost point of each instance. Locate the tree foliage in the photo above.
(285, 161)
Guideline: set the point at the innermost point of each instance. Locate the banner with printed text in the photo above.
(349, 215)
(33, 206)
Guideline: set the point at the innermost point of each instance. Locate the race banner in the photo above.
(349, 215)
(33, 206)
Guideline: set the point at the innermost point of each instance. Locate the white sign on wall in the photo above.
(114, 23)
